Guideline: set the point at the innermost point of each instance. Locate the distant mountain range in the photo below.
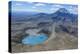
(61, 15)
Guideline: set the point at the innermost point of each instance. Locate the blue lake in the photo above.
(34, 40)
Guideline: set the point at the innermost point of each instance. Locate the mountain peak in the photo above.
(63, 10)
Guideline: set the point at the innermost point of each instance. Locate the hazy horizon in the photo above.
(38, 7)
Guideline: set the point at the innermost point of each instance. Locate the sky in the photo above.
(41, 7)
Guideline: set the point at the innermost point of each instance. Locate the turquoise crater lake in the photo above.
(34, 40)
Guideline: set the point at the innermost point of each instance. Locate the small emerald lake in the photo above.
(34, 40)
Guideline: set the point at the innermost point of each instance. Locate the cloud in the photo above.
(57, 6)
(54, 9)
(39, 4)
(18, 4)
(33, 7)
(30, 2)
